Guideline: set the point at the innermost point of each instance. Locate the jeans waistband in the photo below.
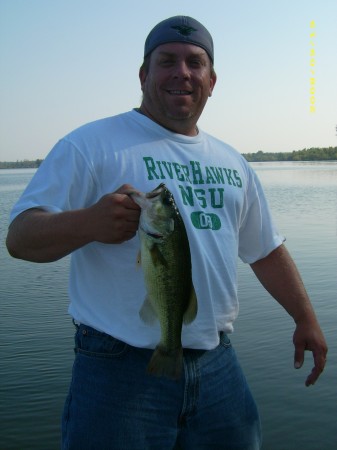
(87, 329)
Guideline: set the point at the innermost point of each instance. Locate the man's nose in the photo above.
(181, 70)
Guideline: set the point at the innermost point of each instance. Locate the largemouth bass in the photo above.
(166, 262)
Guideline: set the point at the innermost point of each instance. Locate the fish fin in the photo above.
(192, 308)
(147, 313)
(166, 363)
(157, 256)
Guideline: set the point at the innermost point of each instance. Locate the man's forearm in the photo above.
(40, 236)
(278, 274)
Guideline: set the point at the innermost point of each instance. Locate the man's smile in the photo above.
(178, 92)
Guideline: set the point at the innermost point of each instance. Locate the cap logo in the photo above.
(184, 30)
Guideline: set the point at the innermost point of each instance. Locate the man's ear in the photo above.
(142, 77)
(212, 83)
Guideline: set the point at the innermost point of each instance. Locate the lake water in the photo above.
(36, 334)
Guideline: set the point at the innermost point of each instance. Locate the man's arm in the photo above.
(277, 272)
(40, 236)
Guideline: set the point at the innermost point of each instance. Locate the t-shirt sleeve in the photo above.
(63, 182)
(258, 235)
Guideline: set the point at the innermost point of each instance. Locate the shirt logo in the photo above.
(204, 221)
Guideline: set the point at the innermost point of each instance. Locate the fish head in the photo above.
(158, 211)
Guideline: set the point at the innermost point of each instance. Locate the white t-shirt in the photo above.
(216, 191)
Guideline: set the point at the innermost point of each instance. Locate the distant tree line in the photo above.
(25, 164)
(307, 154)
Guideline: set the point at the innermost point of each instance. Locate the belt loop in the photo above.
(76, 325)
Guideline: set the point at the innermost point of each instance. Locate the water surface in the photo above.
(36, 332)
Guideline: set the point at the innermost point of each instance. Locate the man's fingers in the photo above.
(312, 378)
(319, 361)
(310, 338)
(126, 190)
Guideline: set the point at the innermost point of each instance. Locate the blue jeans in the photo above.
(113, 404)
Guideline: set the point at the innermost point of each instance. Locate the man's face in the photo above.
(176, 86)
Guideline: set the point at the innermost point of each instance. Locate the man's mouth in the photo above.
(178, 92)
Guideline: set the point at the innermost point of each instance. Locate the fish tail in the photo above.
(168, 363)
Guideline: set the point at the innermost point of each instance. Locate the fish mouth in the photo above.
(156, 192)
(161, 190)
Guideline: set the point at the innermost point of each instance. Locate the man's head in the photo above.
(180, 29)
(177, 75)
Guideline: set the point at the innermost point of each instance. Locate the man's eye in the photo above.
(166, 62)
(195, 62)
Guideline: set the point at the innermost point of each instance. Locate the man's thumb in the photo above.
(298, 359)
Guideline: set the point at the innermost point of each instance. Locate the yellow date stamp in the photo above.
(312, 78)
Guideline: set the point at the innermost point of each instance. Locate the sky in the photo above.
(64, 63)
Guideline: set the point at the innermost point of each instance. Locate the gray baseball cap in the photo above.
(180, 29)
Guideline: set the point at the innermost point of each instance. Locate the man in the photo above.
(78, 203)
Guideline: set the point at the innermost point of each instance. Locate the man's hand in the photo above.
(115, 217)
(308, 336)
(279, 275)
